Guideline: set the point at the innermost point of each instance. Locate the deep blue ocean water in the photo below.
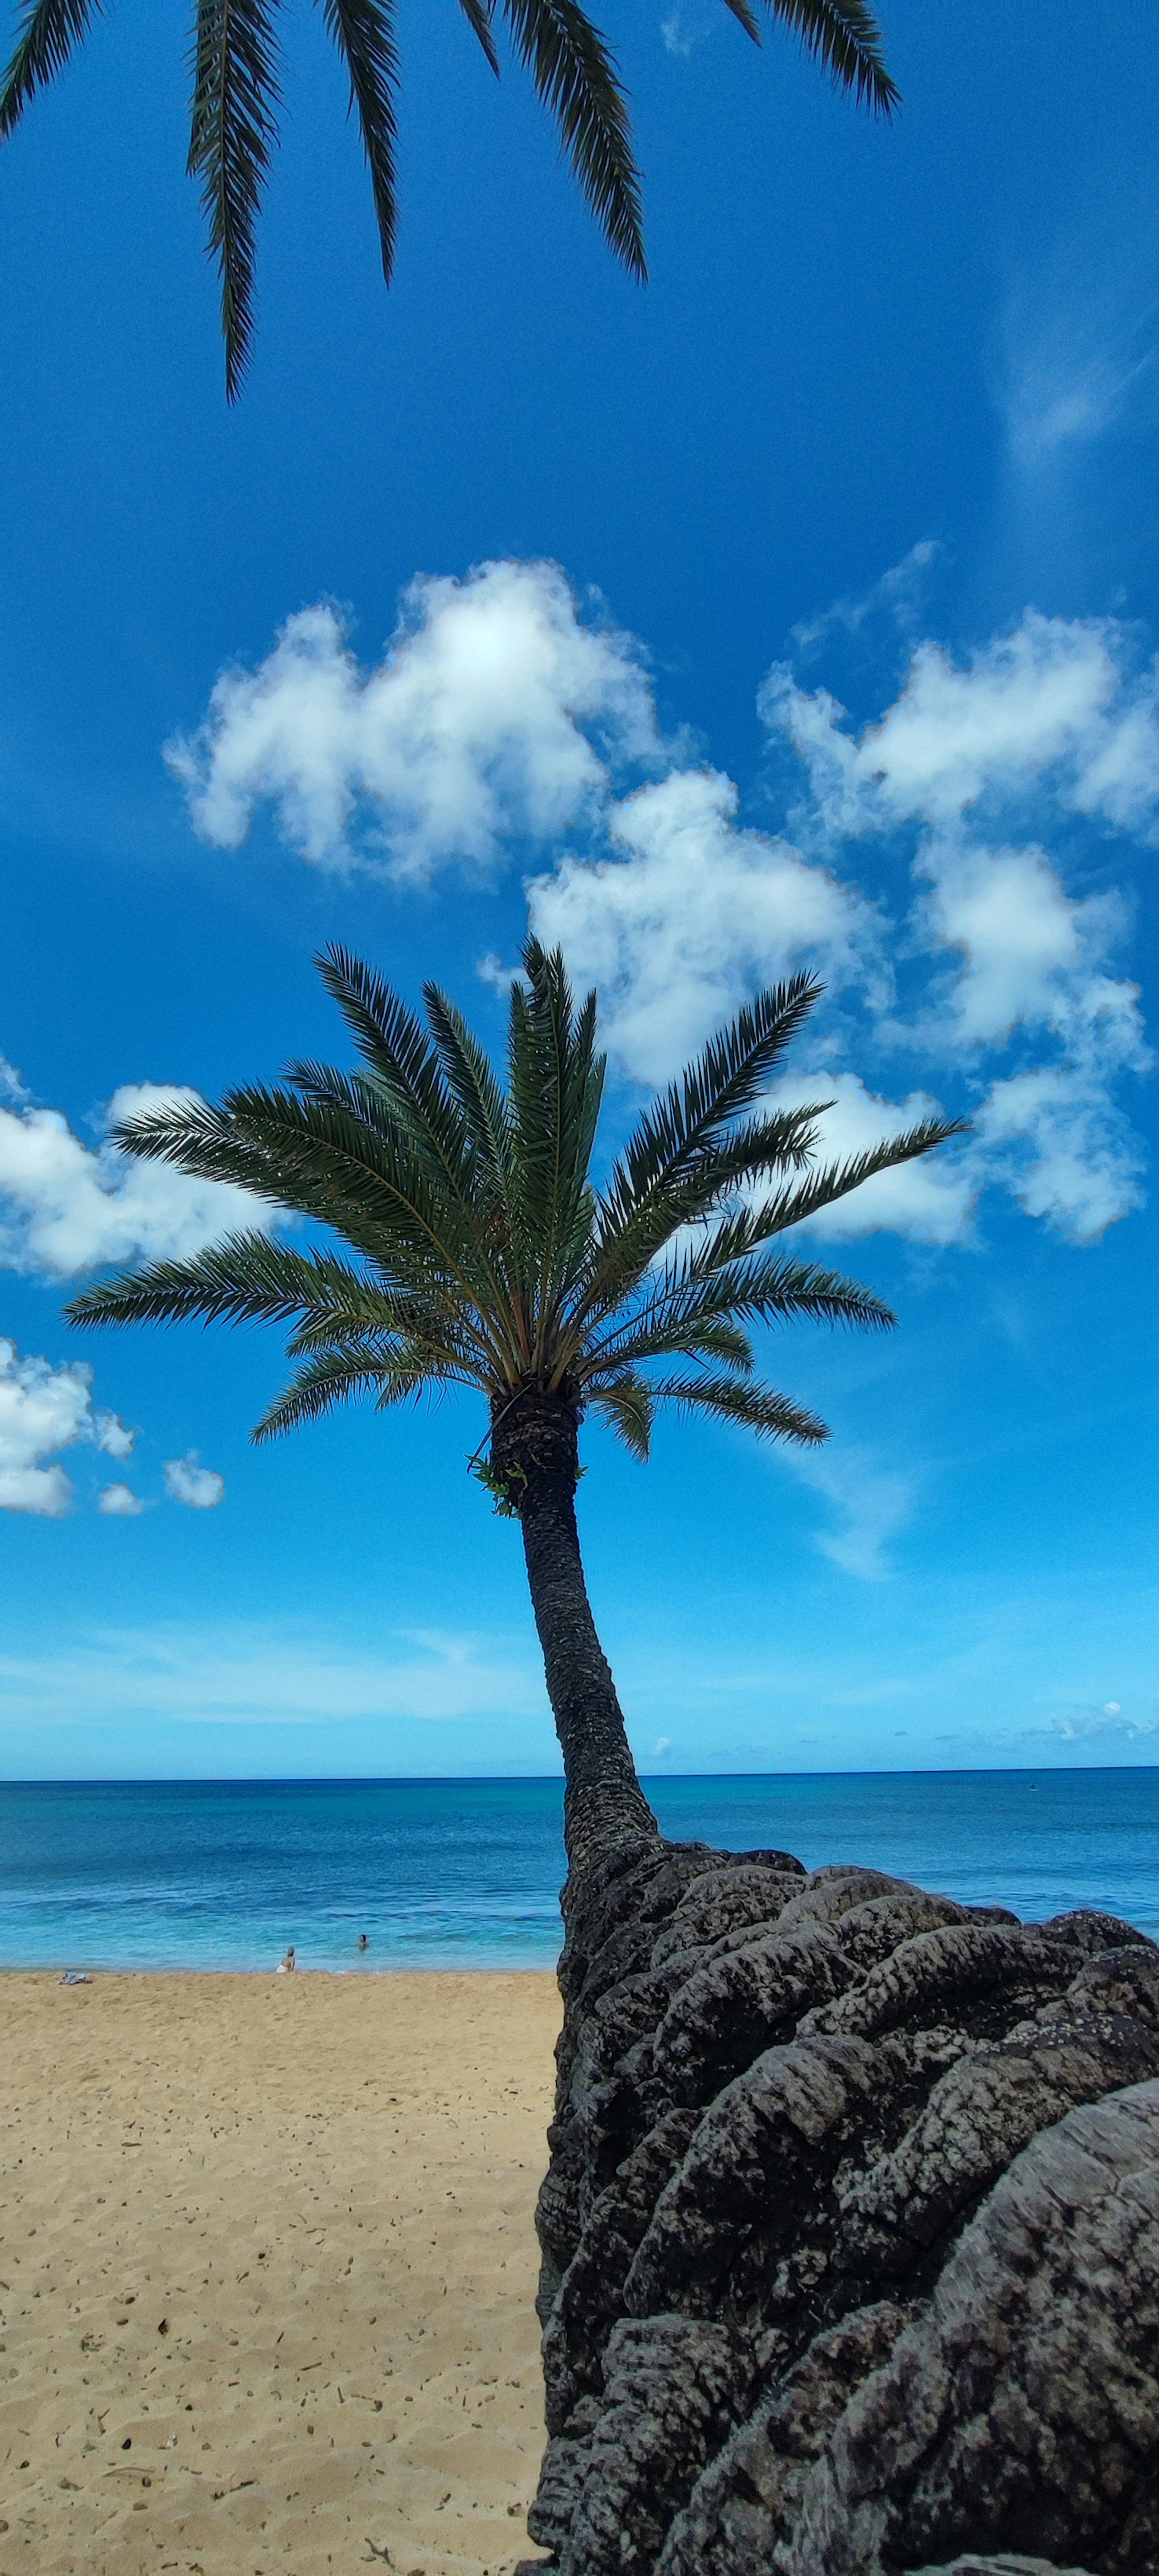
(454, 1873)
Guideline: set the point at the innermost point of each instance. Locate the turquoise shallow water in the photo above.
(453, 1873)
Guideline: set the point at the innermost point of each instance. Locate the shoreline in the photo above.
(271, 2263)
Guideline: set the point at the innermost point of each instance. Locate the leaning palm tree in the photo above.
(484, 1256)
(235, 95)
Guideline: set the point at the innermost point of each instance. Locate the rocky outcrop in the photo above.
(851, 2231)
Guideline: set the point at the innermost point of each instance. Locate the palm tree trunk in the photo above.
(534, 1451)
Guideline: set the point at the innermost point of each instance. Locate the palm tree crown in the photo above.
(235, 97)
(485, 1256)
(478, 1252)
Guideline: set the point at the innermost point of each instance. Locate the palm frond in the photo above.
(575, 75)
(338, 1377)
(844, 37)
(243, 1279)
(789, 1207)
(628, 1403)
(756, 1408)
(661, 1176)
(406, 1066)
(555, 1088)
(478, 14)
(363, 31)
(50, 30)
(700, 1336)
(321, 1159)
(473, 1082)
(742, 12)
(233, 129)
(775, 1288)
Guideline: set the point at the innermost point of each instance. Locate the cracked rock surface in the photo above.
(850, 2234)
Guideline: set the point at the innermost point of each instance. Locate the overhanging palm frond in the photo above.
(363, 31)
(336, 1377)
(232, 132)
(628, 1403)
(478, 14)
(49, 32)
(844, 37)
(575, 75)
(755, 1408)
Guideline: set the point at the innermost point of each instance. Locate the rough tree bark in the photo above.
(534, 1455)
(850, 2233)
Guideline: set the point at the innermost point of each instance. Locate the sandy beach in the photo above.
(268, 2269)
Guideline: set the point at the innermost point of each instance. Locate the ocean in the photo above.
(466, 1873)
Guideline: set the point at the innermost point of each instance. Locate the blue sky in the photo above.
(802, 609)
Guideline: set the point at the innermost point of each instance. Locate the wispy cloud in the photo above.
(253, 1674)
(1080, 338)
(898, 597)
(873, 1499)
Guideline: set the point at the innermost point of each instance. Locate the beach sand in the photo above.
(268, 2266)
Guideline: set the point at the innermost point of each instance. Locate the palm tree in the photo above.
(235, 96)
(485, 1257)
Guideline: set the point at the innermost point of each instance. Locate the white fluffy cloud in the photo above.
(42, 1411)
(119, 1503)
(1048, 705)
(494, 711)
(498, 715)
(1045, 713)
(689, 915)
(66, 1207)
(187, 1482)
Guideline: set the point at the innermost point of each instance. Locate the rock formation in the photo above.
(850, 2234)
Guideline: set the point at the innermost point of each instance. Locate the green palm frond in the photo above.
(232, 132)
(687, 1306)
(234, 101)
(755, 1408)
(49, 32)
(472, 1081)
(665, 1173)
(244, 1279)
(744, 1231)
(363, 31)
(556, 1086)
(692, 1335)
(575, 75)
(628, 1403)
(478, 14)
(844, 37)
(470, 1246)
(337, 1377)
